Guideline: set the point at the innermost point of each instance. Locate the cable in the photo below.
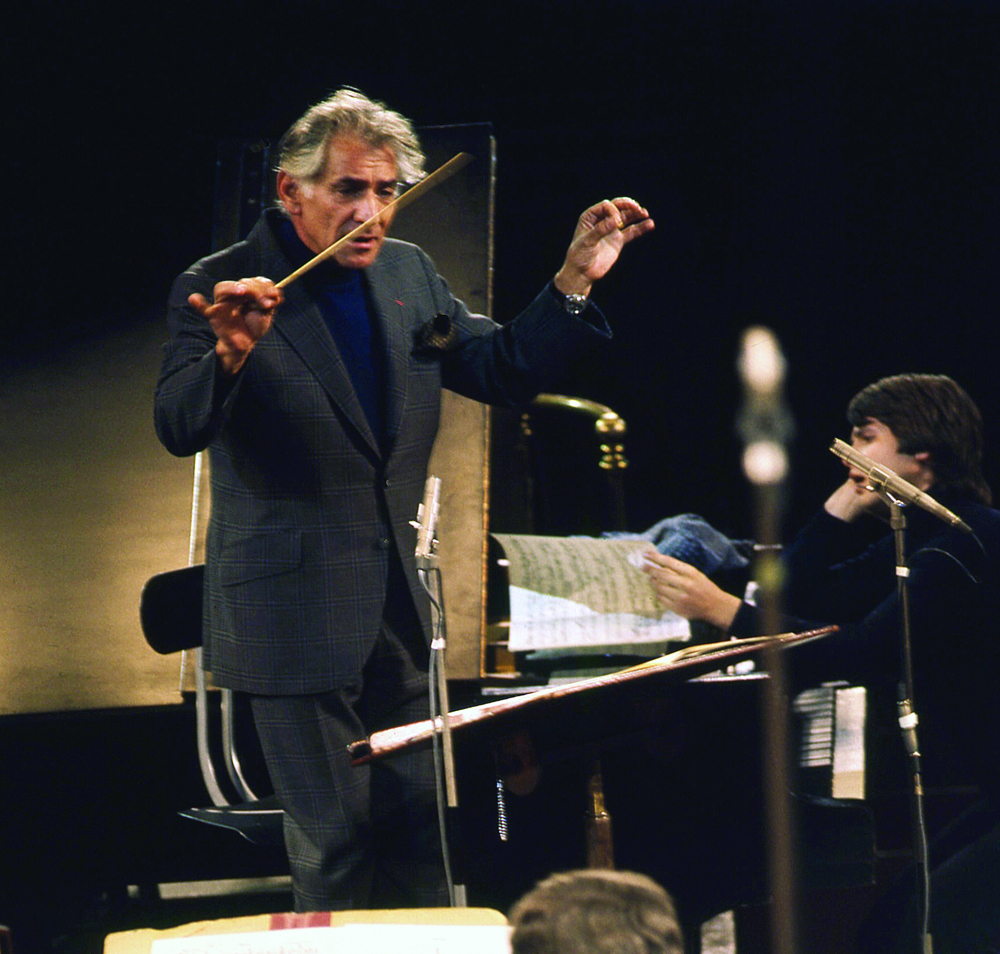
(435, 707)
(908, 727)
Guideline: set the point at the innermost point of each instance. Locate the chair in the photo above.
(171, 602)
(170, 615)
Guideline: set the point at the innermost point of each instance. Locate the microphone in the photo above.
(426, 523)
(764, 423)
(895, 485)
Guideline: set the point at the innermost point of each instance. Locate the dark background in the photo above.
(825, 169)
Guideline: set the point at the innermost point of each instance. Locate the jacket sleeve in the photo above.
(509, 364)
(192, 399)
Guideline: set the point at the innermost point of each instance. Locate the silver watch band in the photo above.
(574, 304)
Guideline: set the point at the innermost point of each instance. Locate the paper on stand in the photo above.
(582, 592)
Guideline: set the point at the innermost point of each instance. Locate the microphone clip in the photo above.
(426, 525)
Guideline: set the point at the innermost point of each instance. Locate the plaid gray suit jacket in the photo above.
(305, 505)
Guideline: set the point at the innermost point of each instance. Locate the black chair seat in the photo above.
(259, 822)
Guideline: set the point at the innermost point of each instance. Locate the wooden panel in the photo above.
(454, 225)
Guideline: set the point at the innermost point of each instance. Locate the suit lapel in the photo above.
(396, 340)
(301, 324)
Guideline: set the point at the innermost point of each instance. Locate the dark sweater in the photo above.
(954, 597)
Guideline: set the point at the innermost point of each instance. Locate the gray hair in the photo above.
(302, 151)
(596, 912)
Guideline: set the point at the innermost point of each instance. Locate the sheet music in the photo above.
(349, 939)
(583, 592)
(849, 743)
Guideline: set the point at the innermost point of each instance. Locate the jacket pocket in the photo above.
(260, 556)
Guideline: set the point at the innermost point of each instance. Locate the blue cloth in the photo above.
(690, 538)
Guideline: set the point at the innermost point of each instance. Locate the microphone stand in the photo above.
(907, 713)
(766, 426)
(429, 574)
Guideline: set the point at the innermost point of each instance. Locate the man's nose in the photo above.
(366, 207)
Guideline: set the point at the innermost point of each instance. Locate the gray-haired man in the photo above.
(319, 416)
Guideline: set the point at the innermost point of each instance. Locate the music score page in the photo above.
(583, 592)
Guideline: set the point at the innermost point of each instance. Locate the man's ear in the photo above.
(926, 461)
(290, 192)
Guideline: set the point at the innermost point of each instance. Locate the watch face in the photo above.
(576, 303)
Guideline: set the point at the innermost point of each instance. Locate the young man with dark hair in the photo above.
(928, 430)
(930, 413)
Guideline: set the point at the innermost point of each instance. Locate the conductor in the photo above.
(318, 407)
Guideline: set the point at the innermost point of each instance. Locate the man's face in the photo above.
(875, 440)
(358, 182)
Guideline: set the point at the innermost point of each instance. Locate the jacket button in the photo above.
(383, 543)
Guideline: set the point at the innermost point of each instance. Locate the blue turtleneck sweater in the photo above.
(342, 297)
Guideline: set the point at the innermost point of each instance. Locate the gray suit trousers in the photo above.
(366, 836)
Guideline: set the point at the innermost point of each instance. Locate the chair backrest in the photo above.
(170, 612)
(170, 609)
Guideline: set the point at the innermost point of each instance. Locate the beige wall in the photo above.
(91, 505)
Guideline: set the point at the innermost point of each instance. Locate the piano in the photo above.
(680, 766)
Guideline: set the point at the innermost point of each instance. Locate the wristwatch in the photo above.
(574, 304)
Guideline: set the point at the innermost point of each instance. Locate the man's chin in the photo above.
(357, 256)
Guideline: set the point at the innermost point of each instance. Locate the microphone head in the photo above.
(861, 461)
(761, 363)
(885, 479)
(841, 449)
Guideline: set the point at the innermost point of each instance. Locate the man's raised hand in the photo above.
(601, 233)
